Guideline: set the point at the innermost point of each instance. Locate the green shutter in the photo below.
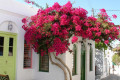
(44, 63)
(91, 58)
(83, 58)
(74, 70)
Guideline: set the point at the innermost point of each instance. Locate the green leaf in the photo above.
(105, 25)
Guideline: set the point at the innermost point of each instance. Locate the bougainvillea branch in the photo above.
(60, 60)
(34, 3)
(57, 64)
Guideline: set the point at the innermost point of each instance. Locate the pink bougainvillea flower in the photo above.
(64, 20)
(97, 40)
(56, 6)
(78, 28)
(76, 19)
(80, 12)
(50, 29)
(59, 46)
(74, 39)
(114, 16)
(95, 29)
(92, 18)
(68, 5)
(98, 34)
(104, 15)
(97, 24)
(103, 10)
(106, 41)
(107, 31)
(28, 1)
(109, 19)
(33, 3)
(24, 20)
(55, 28)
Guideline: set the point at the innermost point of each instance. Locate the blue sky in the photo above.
(88, 5)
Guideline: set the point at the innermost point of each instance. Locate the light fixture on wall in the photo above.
(10, 26)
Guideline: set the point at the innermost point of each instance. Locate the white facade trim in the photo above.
(11, 13)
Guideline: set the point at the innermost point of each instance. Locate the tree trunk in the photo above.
(64, 65)
(57, 64)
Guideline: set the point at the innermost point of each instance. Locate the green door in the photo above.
(82, 61)
(8, 54)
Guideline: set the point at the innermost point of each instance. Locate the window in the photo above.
(91, 58)
(83, 61)
(27, 55)
(44, 63)
(10, 47)
(1, 45)
(74, 71)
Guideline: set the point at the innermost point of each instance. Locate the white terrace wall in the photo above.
(56, 73)
(90, 75)
(11, 10)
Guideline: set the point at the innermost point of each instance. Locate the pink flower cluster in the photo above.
(114, 16)
(59, 46)
(28, 1)
(50, 29)
(104, 15)
(74, 39)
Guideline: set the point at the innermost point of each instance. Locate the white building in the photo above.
(20, 62)
(103, 63)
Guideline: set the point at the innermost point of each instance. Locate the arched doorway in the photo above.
(8, 46)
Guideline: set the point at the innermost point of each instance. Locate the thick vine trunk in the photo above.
(57, 64)
(64, 65)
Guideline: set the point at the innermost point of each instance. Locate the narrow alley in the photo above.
(112, 77)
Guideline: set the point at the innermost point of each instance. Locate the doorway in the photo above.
(83, 61)
(8, 46)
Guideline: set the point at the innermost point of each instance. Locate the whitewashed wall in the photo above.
(11, 10)
(56, 73)
(90, 75)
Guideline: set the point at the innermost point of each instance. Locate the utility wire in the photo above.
(108, 10)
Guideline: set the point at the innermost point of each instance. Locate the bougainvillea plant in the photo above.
(51, 28)
(109, 31)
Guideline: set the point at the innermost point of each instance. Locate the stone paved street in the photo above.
(112, 77)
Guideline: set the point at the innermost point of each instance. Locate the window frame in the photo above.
(2, 46)
(31, 51)
(40, 63)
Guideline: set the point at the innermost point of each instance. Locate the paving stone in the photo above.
(112, 77)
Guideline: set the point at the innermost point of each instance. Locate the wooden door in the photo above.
(8, 54)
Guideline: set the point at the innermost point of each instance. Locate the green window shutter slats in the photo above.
(91, 58)
(83, 58)
(44, 63)
(74, 70)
